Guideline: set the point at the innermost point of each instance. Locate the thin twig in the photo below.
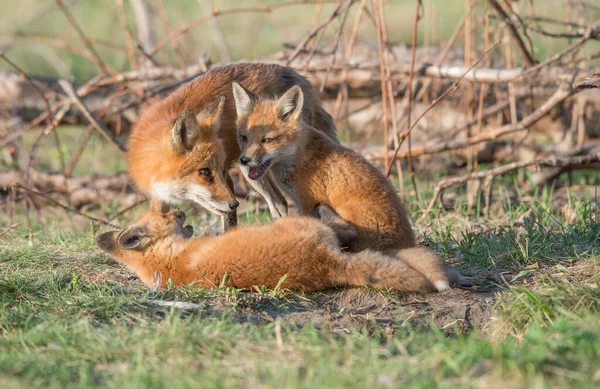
(562, 93)
(217, 13)
(127, 209)
(382, 72)
(527, 57)
(165, 18)
(315, 30)
(334, 50)
(68, 88)
(65, 207)
(442, 96)
(9, 229)
(411, 170)
(217, 33)
(489, 174)
(127, 33)
(104, 67)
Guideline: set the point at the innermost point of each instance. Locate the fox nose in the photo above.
(244, 160)
(234, 204)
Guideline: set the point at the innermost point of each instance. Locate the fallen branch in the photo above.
(559, 96)
(65, 207)
(433, 104)
(78, 191)
(490, 174)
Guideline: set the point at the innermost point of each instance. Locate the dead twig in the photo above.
(128, 39)
(65, 207)
(527, 57)
(437, 100)
(334, 50)
(559, 96)
(104, 67)
(411, 170)
(490, 174)
(68, 88)
(315, 30)
(9, 229)
(384, 90)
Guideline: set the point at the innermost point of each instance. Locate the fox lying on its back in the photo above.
(305, 250)
(183, 147)
(318, 173)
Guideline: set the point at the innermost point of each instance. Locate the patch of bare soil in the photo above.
(345, 309)
(456, 310)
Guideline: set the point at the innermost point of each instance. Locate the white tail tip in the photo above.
(441, 285)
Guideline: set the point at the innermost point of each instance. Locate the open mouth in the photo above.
(257, 172)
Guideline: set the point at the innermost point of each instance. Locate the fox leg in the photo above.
(229, 221)
(344, 231)
(158, 206)
(279, 200)
(268, 190)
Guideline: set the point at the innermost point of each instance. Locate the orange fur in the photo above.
(168, 173)
(314, 170)
(306, 251)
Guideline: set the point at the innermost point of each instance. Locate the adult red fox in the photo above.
(301, 248)
(318, 173)
(182, 148)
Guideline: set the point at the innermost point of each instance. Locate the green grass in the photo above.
(71, 317)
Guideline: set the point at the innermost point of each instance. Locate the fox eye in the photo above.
(205, 172)
(243, 138)
(267, 140)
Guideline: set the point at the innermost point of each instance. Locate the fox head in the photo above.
(189, 164)
(151, 230)
(268, 130)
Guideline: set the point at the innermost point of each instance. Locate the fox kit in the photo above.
(182, 148)
(315, 171)
(304, 250)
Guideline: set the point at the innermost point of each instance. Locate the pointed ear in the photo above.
(290, 104)
(244, 100)
(133, 237)
(210, 119)
(107, 241)
(185, 132)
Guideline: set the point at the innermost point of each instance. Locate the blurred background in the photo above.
(74, 75)
(38, 36)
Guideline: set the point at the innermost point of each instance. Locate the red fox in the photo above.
(305, 250)
(317, 172)
(182, 148)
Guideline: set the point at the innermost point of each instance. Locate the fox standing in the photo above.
(183, 147)
(306, 251)
(317, 172)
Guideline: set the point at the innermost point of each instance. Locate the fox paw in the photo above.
(458, 280)
(441, 285)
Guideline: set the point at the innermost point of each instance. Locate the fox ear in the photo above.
(106, 241)
(185, 132)
(244, 100)
(210, 118)
(290, 104)
(132, 238)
